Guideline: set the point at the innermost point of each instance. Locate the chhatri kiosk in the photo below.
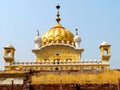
(58, 49)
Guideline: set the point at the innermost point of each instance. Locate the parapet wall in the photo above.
(62, 65)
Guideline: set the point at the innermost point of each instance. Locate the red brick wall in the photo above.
(60, 87)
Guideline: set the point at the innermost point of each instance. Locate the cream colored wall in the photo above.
(49, 53)
(9, 81)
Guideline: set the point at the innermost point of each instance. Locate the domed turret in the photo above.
(105, 52)
(9, 52)
(38, 41)
(77, 39)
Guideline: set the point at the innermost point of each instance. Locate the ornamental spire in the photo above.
(76, 31)
(58, 18)
(38, 33)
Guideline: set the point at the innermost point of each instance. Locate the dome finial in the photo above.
(58, 19)
(38, 33)
(76, 31)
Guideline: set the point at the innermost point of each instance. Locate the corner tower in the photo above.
(8, 56)
(105, 52)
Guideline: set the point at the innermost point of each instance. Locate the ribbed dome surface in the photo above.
(57, 33)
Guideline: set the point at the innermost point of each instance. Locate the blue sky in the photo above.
(96, 20)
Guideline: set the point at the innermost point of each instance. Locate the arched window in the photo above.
(105, 51)
(8, 54)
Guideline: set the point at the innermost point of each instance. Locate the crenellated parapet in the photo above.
(65, 65)
(60, 62)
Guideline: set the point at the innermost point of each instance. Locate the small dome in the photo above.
(77, 39)
(104, 43)
(38, 39)
(9, 46)
(57, 33)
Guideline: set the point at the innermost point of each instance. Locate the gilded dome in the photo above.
(57, 33)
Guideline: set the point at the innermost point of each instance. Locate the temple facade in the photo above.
(58, 49)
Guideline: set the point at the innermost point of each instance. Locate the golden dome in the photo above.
(57, 33)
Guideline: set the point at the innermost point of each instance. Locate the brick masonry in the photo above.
(60, 87)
